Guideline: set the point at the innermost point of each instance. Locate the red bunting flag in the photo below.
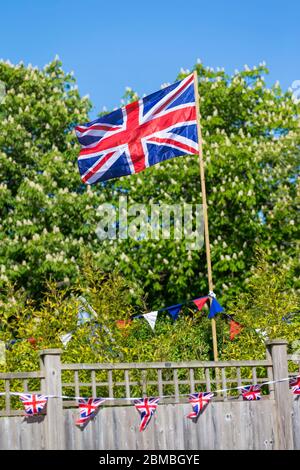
(200, 302)
(199, 402)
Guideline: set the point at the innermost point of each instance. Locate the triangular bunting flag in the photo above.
(200, 302)
(251, 392)
(65, 338)
(146, 407)
(199, 401)
(215, 308)
(33, 403)
(151, 318)
(174, 310)
(88, 408)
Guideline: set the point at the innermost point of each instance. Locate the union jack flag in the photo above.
(199, 401)
(33, 403)
(146, 407)
(88, 408)
(295, 385)
(160, 126)
(251, 392)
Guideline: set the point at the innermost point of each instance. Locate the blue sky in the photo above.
(113, 44)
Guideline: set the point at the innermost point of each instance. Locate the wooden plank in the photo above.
(160, 382)
(176, 386)
(254, 376)
(166, 365)
(110, 384)
(144, 383)
(224, 383)
(207, 379)
(127, 383)
(21, 375)
(94, 388)
(76, 382)
(7, 396)
(239, 382)
(192, 381)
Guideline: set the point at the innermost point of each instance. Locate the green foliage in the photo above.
(48, 218)
(268, 309)
(101, 339)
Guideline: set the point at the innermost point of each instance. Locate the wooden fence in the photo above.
(227, 423)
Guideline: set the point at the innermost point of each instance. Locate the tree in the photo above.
(268, 309)
(97, 336)
(49, 219)
(251, 148)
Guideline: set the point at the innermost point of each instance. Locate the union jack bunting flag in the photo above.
(146, 407)
(199, 401)
(295, 385)
(251, 392)
(33, 403)
(160, 126)
(87, 408)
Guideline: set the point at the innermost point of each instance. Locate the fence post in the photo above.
(51, 385)
(283, 402)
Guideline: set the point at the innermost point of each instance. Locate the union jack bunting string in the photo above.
(146, 407)
(295, 385)
(199, 401)
(88, 408)
(33, 403)
(160, 126)
(251, 392)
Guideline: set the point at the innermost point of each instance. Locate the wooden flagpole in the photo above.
(205, 214)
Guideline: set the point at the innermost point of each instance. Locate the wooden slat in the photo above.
(127, 383)
(239, 382)
(160, 382)
(207, 379)
(192, 381)
(224, 382)
(110, 384)
(176, 386)
(254, 376)
(21, 375)
(76, 382)
(144, 383)
(7, 396)
(94, 388)
(166, 365)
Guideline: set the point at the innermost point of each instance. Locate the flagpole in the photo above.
(205, 214)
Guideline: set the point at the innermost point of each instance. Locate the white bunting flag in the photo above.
(151, 318)
(65, 338)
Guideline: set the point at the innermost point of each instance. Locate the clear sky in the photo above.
(113, 44)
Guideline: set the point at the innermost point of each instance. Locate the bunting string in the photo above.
(215, 392)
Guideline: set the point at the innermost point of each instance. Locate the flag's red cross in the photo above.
(146, 409)
(89, 407)
(135, 131)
